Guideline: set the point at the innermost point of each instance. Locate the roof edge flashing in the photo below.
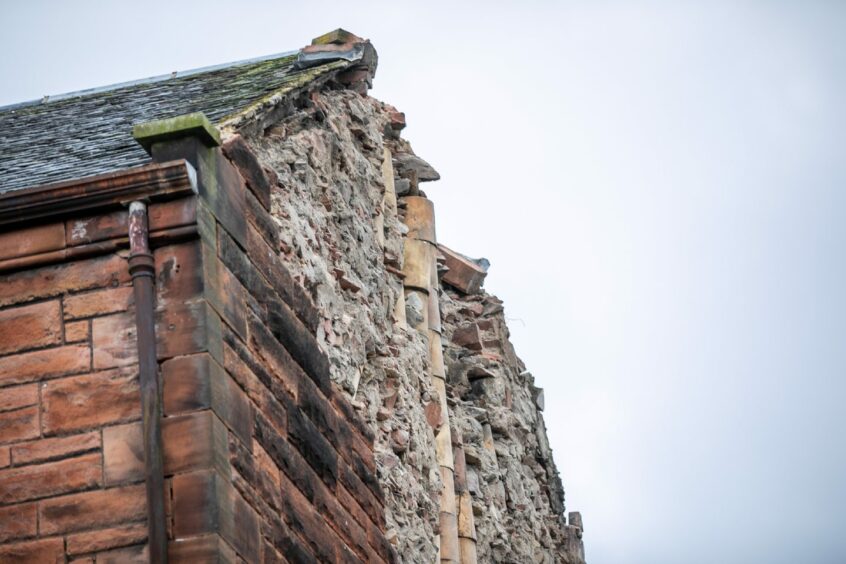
(188, 125)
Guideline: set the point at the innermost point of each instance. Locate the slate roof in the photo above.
(90, 132)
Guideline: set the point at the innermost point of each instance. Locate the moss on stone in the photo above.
(196, 124)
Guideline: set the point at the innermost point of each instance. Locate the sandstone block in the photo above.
(237, 151)
(206, 549)
(48, 363)
(100, 272)
(105, 539)
(34, 552)
(18, 425)
(185, 329)
(468, 336)
(77, 331)
(30, 326)
(123, 454)
(114, 339)
(51, 478)
(49, 449)
(94, 509)
(97, 228)
(173, 213)
(99, 302)
(18, 521)
(18, 396)
(464, 274)
(32, 240)
(92, 400)
(139, 554)
(179, 276)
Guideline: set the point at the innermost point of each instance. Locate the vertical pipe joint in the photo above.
(140, 258)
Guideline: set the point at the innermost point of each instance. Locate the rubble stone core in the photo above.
(345, 240)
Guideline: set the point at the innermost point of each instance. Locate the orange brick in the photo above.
(48, 281)
(48, 449)
(99, 302)
(105, 539)
(92, 400)
(77, 331)
(34, 552)
(38, 365)
(18, 522)
(94, 509)
(5, 457)
(19, 424)
(30, 327)
(32, 240)
(114, 341)
(42, 480)
(19, 396)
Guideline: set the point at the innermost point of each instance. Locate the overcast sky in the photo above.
(660, 189)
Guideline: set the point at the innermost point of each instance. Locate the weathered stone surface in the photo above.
(30, 327)
(77, 331)
(34, 552)
(464, 274)
(32, 240)
(88, 510)
(336, 222)
(101, 272)
(98, 302)
(82, 402)
(516, 494)
(18, 521)
(243, 158)
(18, 396)
(51, 478)
(49, 449)
(114, 339)
(206, 549)
(105, 539)
(407, 163)
(38, 365)
(19, 424)
(138, 554)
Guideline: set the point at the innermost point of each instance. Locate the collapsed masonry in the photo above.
(336, 384)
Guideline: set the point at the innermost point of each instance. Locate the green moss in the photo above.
(337, 36)
(196, 124)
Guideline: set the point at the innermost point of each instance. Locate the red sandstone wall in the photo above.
(264, 461)
(68, 384)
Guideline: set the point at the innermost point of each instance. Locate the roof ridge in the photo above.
(149, 80)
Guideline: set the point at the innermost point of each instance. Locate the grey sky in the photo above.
(660, 189)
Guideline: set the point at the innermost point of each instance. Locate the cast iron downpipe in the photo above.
(142, 269)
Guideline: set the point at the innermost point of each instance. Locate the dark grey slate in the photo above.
(90, 132)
